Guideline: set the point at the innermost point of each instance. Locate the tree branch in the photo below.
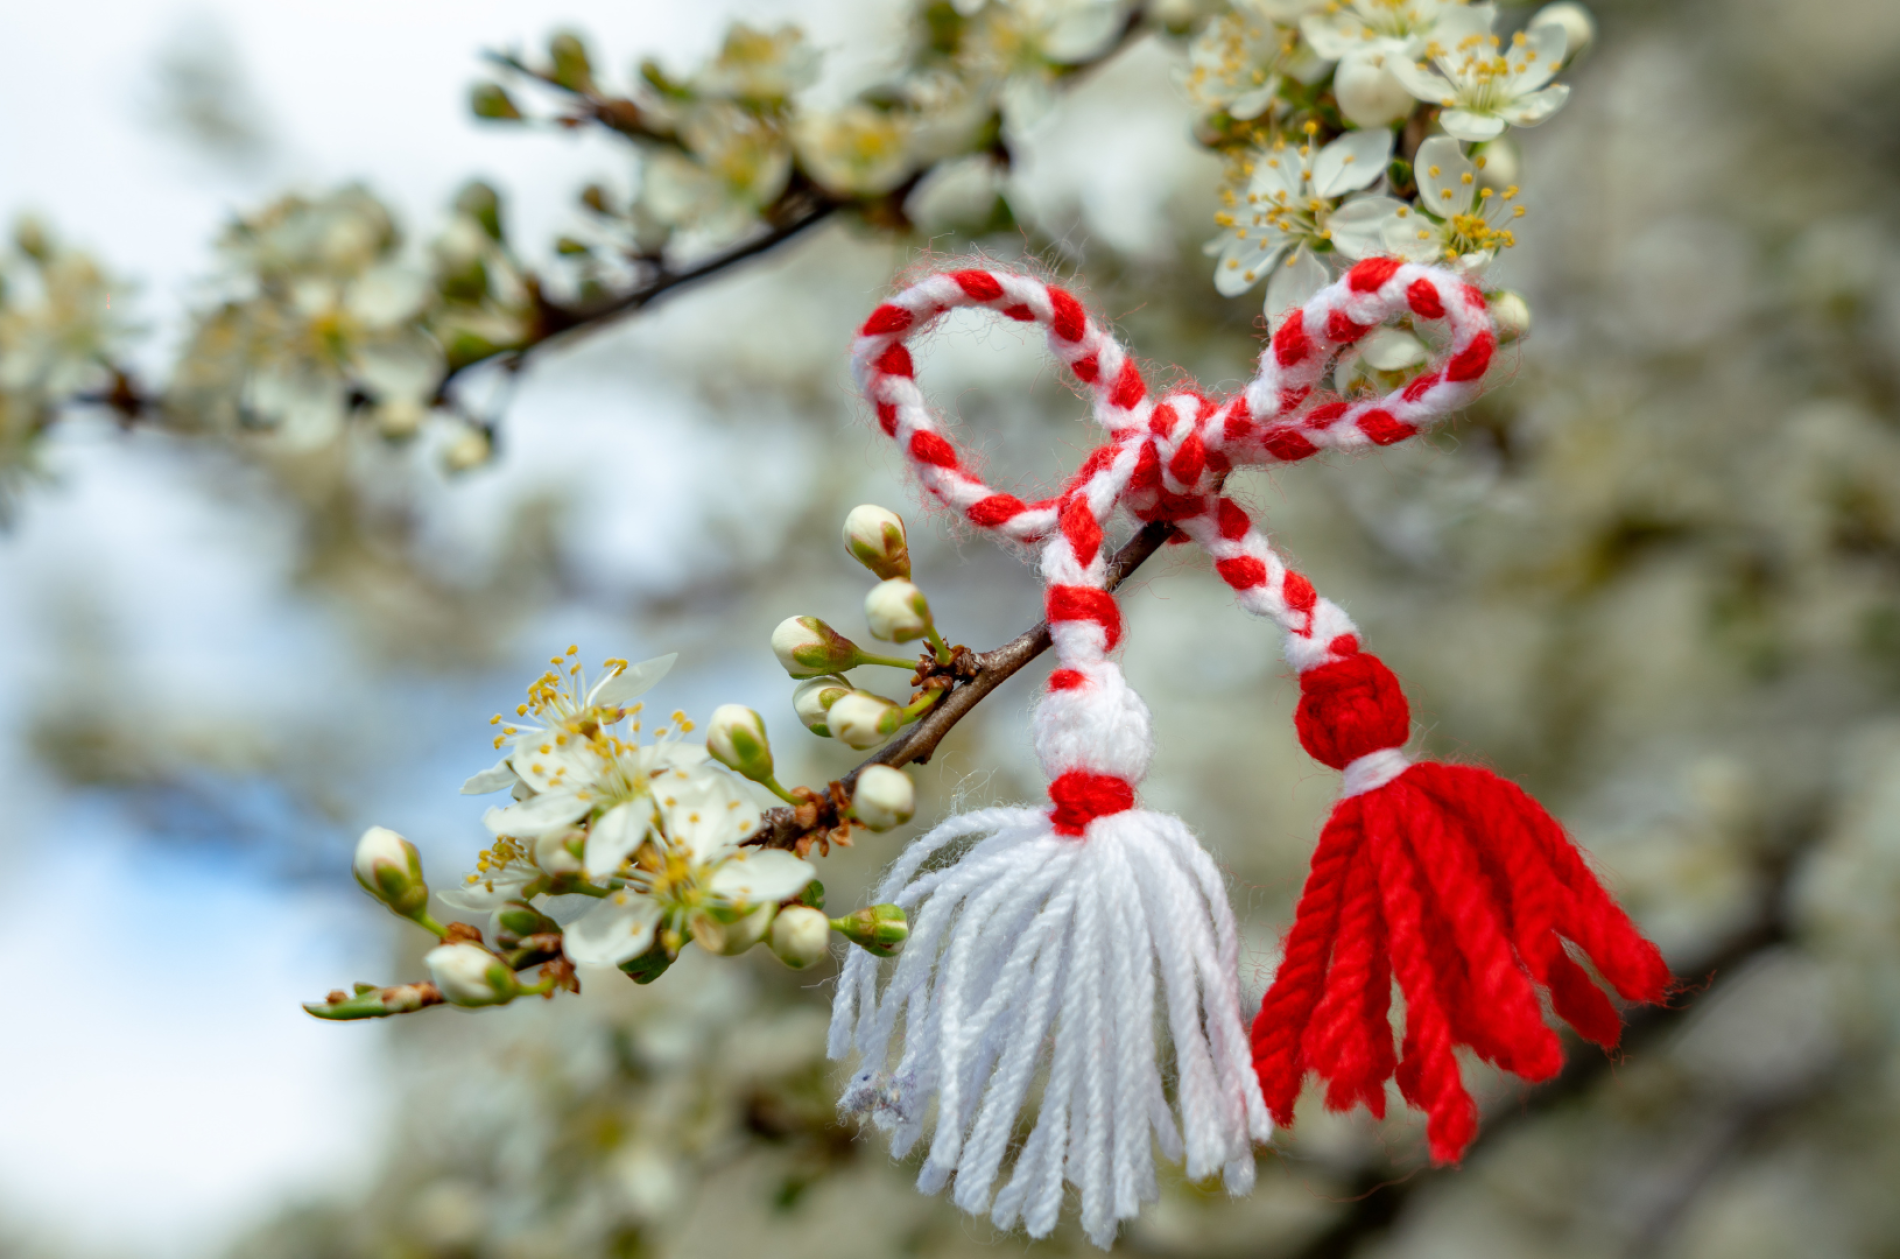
(781, 830)
(557, 322)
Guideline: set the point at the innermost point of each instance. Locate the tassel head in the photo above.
(1351, 708)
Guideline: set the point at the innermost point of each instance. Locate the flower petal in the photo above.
(1251, 258)
(1432, 88)
(615, 834)
(1360, 227)
(1414, 237)
(1081, 32)
(1294, 284)
(1250, 105)
(1469, 126)
(494, 778)
(555, 769)
(489, 893)
(1278, 176)
(1528, 111)
(1353, 161)
(1392, 349)
(1440, 169)
(631, 683)
(762, 876)
(660, 758)
(1330, 34)
(705, 815)
(619, 927)
(537, 815)
(1544, 43)
(1459, 22)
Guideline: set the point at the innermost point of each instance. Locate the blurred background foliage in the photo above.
(1655, 577)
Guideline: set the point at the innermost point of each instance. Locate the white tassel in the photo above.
(1035, 938)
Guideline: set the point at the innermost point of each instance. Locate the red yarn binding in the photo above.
(1460, 886)
(1080, 797)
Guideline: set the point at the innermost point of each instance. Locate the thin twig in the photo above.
(558, 323)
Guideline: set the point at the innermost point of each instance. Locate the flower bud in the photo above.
(560, 852)
(1580, 29)
(729, 939)
(884, 798)
(470, 975)
(1512, 313)
(897, 611)
(516, 921)
(399, 419)
(1369, 94)
(390, 869)
(736, 739)
(807, 647)
(470, 449)
(1392, 350)
(876, 539)
(862, 720)
(814, 699)
(801, 936)
(879, 929)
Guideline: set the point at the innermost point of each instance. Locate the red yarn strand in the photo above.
(1281, 1024)
(1349, 1041)
(1429, 1072)
(1501, 998)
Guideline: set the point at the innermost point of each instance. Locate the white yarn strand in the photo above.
(1030, 939)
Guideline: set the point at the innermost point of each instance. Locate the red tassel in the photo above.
(1460, 886)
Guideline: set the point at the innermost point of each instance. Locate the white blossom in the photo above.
(736, 163)
(1368, 38)
(1379, 28)
(1292, 212)
(694, 868)
(569, 753)
(320, 304)
(856, 151)
(1237, 64)
(1481, 87)
(1457, 220)
(756, 65)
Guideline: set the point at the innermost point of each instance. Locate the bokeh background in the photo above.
(1655, 577)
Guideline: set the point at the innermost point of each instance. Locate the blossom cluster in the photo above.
(1355, 128)
(59, 335)
(320, 318)
(619, 850)
(613, 852)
